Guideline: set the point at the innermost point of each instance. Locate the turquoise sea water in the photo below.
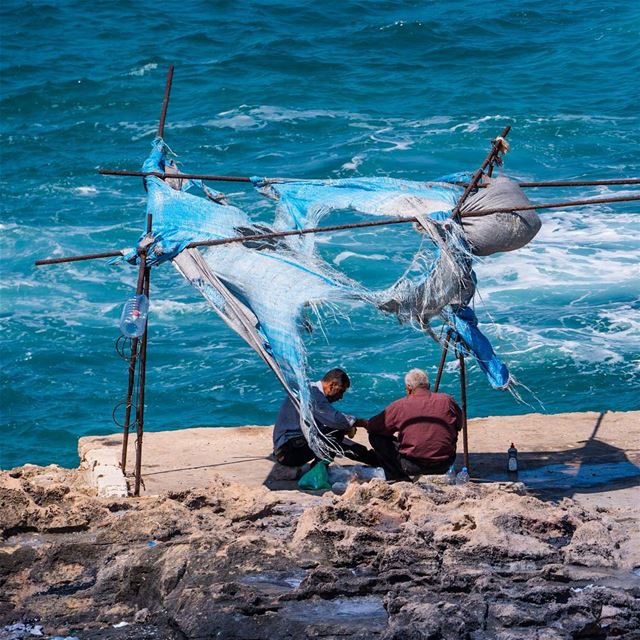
(311, 89)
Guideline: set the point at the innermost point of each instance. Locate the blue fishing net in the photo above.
(261, 288)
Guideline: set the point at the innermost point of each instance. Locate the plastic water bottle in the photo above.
(339, 487)
(451, 474)
(378, 472)
(512, 460)
(134, 316)
(463, 476)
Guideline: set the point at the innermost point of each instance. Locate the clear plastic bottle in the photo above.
(463, 476)
(368, 473)
(451, 474)
(134, 316)
(339, 487)
(512, 460)
(378, 472)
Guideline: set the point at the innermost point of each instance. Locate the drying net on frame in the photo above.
(261, 288)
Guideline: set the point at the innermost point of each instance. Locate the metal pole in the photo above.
(142, 369)
(165, 102)
(143, 284)
(132, 374)
(356, 225)
(463, 402)
(495, 150)
(142, 374)
(127, 415)
(570, 183)
(550, 205)
(185, 176)
(443, 359)
(219, 178)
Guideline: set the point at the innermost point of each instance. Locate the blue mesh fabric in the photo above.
(261, 288)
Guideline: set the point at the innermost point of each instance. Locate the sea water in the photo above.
(411, 90)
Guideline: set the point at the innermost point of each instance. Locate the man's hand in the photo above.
(351, 432)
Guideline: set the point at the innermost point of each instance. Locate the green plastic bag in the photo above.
(317, 478)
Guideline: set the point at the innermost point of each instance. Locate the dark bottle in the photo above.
(512, 460)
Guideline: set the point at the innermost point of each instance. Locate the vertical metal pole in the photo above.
(463, 402)
(142, 372)
(165, 102)
(443, 359)
(473, 183)
(146, 279)
(132, 376)
(127, 416)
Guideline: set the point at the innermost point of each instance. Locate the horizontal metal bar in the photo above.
(164, 176)
(356, 225)
(220, 178)
(86, 256)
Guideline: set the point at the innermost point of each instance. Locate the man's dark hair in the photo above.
(337, 375)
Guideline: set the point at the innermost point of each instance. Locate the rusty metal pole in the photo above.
(463, 402)
(495, 150)
(355, 225)
(443, 359)
(127, 415)
(142, 368)
(165, 102)
(132, 375)
(219, 178)
(142, 371)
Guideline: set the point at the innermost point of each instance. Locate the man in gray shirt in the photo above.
(289, 444)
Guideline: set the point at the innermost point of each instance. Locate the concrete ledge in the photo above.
(102, 470)
(590, 456)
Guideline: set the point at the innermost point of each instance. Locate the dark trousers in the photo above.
(399, 467)
(296, 452)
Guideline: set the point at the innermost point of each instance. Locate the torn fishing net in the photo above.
(261, 288)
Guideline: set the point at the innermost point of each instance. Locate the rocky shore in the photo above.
(392, 561)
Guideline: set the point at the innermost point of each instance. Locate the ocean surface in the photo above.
(411, 90)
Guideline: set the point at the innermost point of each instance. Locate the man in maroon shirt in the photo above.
(427, 425)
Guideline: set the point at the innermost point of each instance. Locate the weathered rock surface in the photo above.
(402, 561)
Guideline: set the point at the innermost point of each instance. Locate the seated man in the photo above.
(427, 425)
(290, 446)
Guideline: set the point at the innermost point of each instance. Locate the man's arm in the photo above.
(384, 423)
(456, 415)
(326, 415)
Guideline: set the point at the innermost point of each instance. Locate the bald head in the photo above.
(416, 379)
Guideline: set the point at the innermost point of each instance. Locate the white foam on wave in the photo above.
(581, 250)
(587, 348)
(401, 24)
(568, 293)
(345, 255)
(246, 117)
(401, 144)
(165, 309)
(354, 163)
(474, 125)
(85, 191)
(140, 71)
(579, 117)
(237, 122)
(272, 113)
